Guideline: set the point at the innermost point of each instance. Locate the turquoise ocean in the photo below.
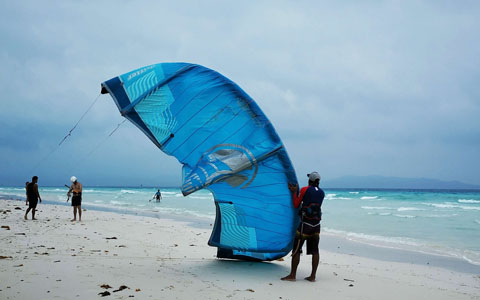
(440, 222)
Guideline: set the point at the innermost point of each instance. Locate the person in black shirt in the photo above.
(32, 197)
(158, 196)
(310, 199)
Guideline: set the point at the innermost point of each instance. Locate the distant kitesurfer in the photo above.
(76, 189)
(158, 196)
(311, 199)
(32, 197)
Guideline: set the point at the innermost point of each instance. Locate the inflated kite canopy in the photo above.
(225, 143)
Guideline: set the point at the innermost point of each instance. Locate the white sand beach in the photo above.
(53, 258)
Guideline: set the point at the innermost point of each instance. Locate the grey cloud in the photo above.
(386, 88)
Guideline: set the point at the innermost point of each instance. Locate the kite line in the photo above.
(70, 132)
(99, 144)
(46, 157)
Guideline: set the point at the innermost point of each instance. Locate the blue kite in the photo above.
(226, 145)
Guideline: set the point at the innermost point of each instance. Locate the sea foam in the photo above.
(376, 207)
(128, 192)
(452, 205)
(405, 216)
(408, 208)
(468, 201)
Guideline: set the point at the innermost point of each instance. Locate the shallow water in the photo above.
(437, 222)
(444, 222)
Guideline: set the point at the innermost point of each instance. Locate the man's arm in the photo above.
(298, 198)
(36, 191)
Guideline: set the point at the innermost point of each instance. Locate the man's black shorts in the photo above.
(76, 200)
(311, 235)
(32, 204)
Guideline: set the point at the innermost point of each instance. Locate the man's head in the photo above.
(313, 179)
(34, 179)
(73, 179)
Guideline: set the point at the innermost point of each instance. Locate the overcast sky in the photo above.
(374, 88)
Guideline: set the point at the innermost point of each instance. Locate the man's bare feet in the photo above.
(288, 278)
(33, 219)
(310, 278)
(73, 220)
(26, 217)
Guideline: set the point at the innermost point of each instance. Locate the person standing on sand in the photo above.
(76, 189)
(32, 197)
(311, 197)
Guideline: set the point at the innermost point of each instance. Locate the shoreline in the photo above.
(163, 258)
(328, 241)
